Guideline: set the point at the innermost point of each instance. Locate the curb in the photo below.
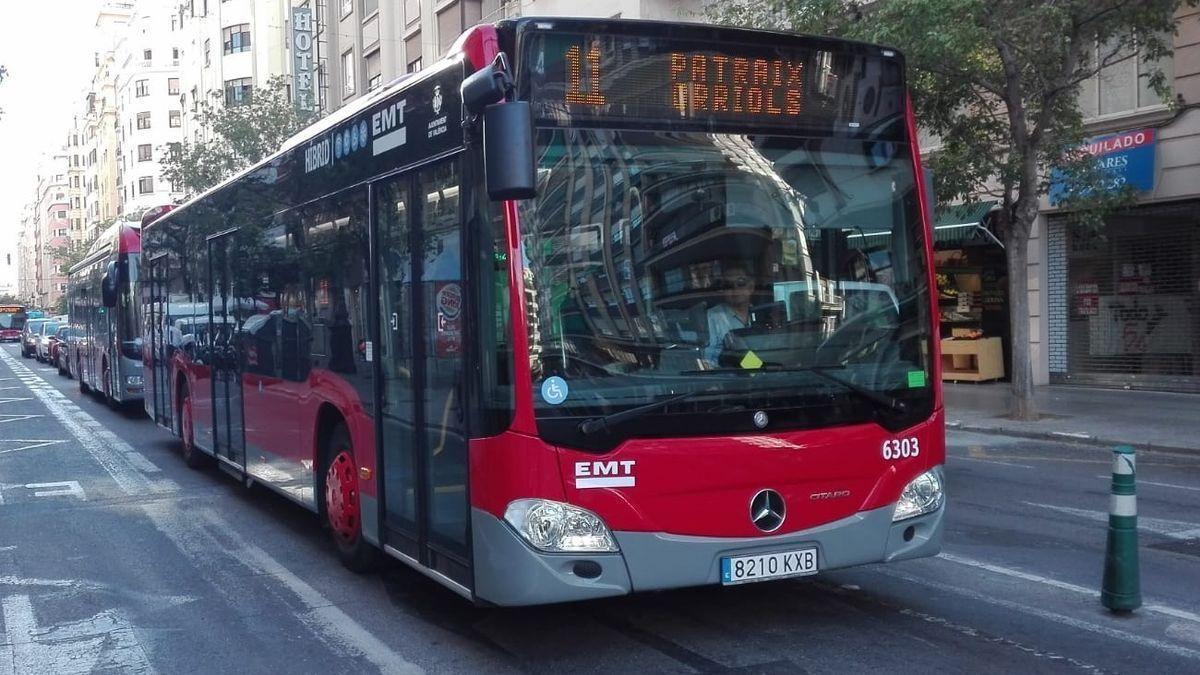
(1070, 438)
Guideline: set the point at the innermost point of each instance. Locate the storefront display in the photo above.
(971, 283)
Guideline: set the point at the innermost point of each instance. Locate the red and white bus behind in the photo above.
(105, 347)
(589, 307)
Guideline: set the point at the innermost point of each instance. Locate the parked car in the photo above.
(29, 336)
(58, 347)
(45, 334)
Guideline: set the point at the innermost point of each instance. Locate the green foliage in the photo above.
(9, 299)
(236, 137)
(71, 253)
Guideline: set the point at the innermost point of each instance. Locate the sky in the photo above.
(47, 47)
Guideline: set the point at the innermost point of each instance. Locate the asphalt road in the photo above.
(114, 557)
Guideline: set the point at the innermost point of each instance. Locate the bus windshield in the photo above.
(730, 266)
(12, 319)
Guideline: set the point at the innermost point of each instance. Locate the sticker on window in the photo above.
(554, 390)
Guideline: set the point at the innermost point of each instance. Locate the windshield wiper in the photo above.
(591, 426)
(889, 402)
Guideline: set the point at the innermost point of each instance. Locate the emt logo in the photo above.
(616, 473)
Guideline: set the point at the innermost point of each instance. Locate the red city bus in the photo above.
(12, 320)
(104, 352)
(588, 307)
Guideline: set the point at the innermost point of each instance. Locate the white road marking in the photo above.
(1175, 529)
(192, 532)
(30, 444)
(17, 418)
(103, 642)
(990, 461)
(67, 488)
(1156, 607)
(1071, 434)
(15, 399)
(1142, 481)
(126, 466)
(1053, 617)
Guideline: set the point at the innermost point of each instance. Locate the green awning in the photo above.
(960, 223)
(970, 213)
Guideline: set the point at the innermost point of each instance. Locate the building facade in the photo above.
(227, 47)
(1116, 305)
(149, 116)
(1121, 303)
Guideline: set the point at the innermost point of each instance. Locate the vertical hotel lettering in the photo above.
(719, 83)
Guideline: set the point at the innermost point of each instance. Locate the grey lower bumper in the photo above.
(509, 572)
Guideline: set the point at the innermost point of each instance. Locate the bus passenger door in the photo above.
(159, 350)
(224, 299)
(423, 435)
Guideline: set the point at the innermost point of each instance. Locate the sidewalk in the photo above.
(1143, 419)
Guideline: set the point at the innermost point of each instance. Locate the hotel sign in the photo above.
(304, 59)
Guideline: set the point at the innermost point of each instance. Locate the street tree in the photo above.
(998, 83)
(235, 136)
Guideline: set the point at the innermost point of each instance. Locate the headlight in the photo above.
(134, 380)
(923, 495)
(555, 527)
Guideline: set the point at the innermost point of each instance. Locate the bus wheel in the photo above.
(106, 385)
(342, 507)
(193, 457)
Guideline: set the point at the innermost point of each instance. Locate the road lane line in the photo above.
(1142, 481)
(1175, 529)
(1125, 636)
(1155, 607)
(991, 461)
(126, 466)
(320, 615)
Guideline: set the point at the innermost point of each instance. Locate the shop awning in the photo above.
(958, 223)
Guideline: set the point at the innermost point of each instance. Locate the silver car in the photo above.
(42, 344)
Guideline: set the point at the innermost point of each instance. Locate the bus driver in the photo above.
(737, 288)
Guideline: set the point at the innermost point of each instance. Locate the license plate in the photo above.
(746, 568)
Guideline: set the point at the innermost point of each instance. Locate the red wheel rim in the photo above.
(341, 497)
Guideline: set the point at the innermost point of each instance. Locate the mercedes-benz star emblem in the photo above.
(767, 510)
(761, 419)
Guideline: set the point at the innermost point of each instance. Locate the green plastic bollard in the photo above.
(1122, 590)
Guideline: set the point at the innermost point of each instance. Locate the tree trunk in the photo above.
(1017, 245)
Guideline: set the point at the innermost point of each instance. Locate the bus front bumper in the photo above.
(510, 572)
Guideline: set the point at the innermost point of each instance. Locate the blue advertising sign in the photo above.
(1127, 158)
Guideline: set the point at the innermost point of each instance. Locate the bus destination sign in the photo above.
(579, 78)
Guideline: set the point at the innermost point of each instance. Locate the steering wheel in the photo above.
(856, 337)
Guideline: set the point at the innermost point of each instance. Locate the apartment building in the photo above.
(148, 88)
(364, 44)
(228, 47)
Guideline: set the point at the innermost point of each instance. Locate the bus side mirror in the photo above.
(108, 286)
(509, 168)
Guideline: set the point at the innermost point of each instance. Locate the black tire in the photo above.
(193, 457)
(356, 553)
(106, 385)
